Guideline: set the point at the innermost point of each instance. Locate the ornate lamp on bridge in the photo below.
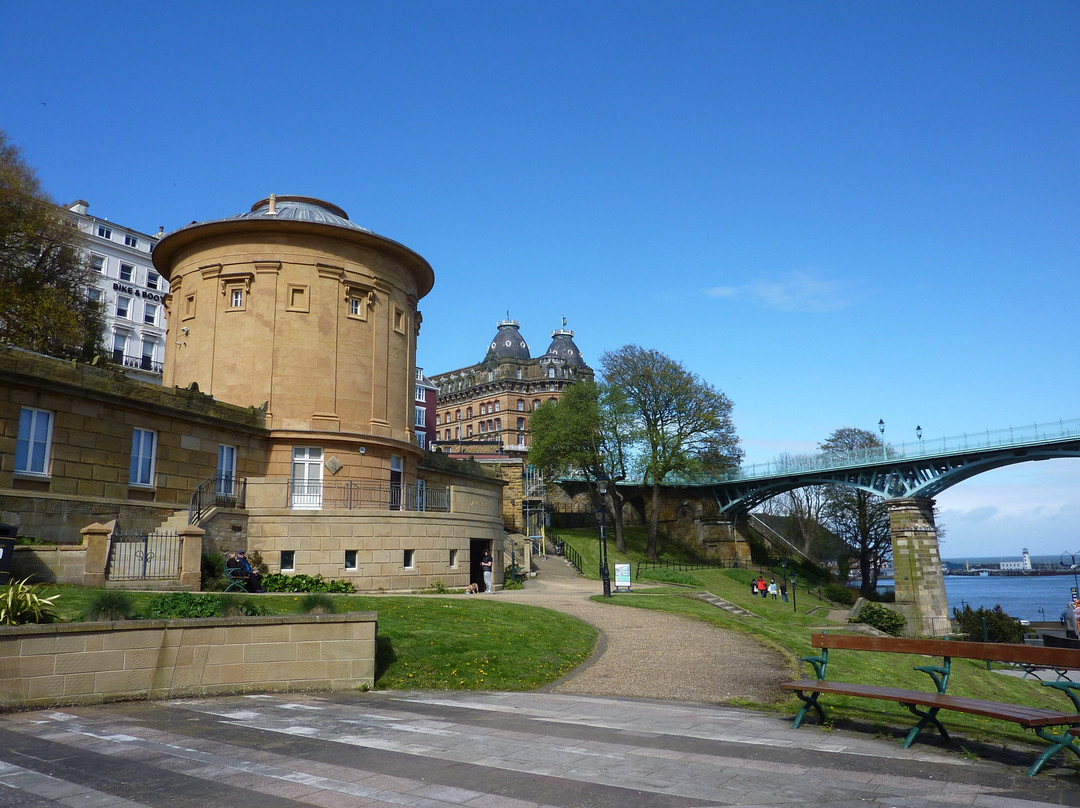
(605, 576)
(881, 429)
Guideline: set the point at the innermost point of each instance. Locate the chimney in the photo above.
(79, 206)
(273, 205)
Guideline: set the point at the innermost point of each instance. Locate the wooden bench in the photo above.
(925, 705)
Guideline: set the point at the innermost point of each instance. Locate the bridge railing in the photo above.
(1011, 437)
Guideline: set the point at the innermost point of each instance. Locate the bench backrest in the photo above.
(957, 649)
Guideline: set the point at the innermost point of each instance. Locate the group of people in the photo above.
(770, 589)
(243, 571)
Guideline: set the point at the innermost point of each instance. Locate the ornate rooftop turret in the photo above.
(563, 348)
(508, 343)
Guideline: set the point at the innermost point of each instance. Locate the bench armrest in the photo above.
(939, 673)
(819, 663)
(1070, 689)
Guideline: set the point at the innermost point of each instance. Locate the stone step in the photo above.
(727, 606)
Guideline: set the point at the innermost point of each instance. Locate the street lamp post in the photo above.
(605, 576)
(881, 429)
(794, 581)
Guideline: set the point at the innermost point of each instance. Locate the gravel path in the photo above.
(647, 654)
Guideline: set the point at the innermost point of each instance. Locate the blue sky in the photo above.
(835, 212)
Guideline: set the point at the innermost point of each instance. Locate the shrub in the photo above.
(213, 571)
(235, 605)
(20, 602)
(177, 605)
(109, 604)
(881, 618)
(277, 582)
(1000, 626)
(436, 587)
(838, 593)
(317, 603)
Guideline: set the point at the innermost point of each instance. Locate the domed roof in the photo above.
(508, 343)
(300, 208)
(563, 347)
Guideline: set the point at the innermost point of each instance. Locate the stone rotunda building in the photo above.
(294, 309)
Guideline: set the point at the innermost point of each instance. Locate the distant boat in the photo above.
(984, 574)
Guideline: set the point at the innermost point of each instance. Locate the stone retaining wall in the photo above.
(89, 663)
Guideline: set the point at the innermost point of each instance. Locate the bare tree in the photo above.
(860, 519)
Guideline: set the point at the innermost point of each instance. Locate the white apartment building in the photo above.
(131, 291)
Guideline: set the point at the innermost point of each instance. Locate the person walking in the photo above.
(761, 586)
(783, 590)
(772, 588)
(486, 563)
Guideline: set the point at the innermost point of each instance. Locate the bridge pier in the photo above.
(920, 585)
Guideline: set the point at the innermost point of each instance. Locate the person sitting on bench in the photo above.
(244, 571)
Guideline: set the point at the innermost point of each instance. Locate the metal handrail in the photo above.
(354, 495)
(1009, 437)
(216, 491)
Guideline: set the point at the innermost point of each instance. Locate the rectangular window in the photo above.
(127, 272)
(297, 297)
(408, 560)
(97, 263)
(236, 300)
(521, 405)
(421, 394)
(226, 471)
(119, 347)
(355, 307)
(143, 443)
(399, 320)
(496, 406)
(35, 442)
(288, 560)
(189, 306)
(104, 232)
(93, 295)
(421, 417)
(521, 424)
(123, 306)
(148, 354)
(350, 559)
(152, 279)
(521, 439)
(150, 314)
(131, 241)
(453, 559)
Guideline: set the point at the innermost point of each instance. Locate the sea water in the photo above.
(1036, 598)
(1039, 598)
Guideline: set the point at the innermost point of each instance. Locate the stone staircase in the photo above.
(727, 606)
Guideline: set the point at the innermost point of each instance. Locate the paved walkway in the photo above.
(537, 750)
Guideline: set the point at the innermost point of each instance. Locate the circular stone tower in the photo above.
(294, 308)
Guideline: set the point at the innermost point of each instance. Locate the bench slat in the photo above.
(1026, 717)
(957, 649)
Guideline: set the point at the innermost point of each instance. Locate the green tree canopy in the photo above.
(43, 274)
(684, 422)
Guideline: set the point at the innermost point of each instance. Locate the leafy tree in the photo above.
(43, 274)
(801, 517)
(684, 422)
(1000, 626)
(588, 429)
(858, 518)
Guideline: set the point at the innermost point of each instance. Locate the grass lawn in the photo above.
(434, 643)
(789, 632)
(453, 642)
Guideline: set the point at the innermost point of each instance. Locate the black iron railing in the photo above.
(352, 495)
(219, 491)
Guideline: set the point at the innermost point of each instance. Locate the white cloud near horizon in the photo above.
(798, 290)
